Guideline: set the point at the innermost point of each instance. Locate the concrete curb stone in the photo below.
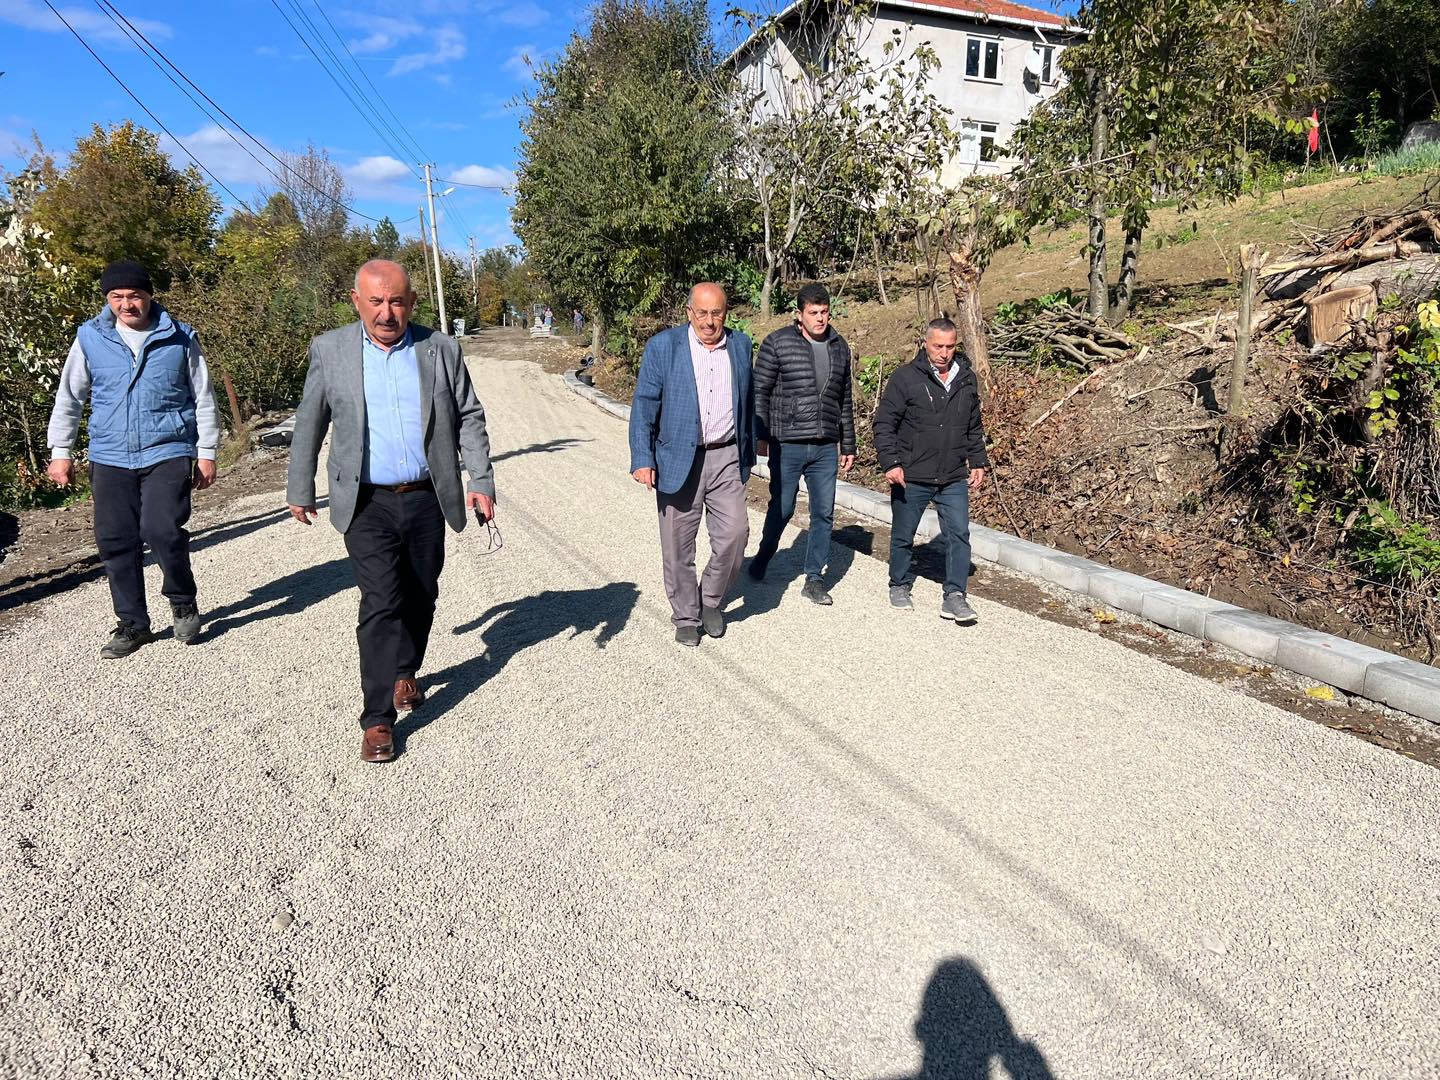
(1407, 685)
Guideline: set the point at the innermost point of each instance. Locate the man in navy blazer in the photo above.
(692, 443)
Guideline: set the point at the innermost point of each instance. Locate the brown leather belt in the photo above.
(718, 445)
(400, 489)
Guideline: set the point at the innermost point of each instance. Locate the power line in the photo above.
(399, 124)
(338, 85)
(482, 187)
(133, 33)
(158, 122)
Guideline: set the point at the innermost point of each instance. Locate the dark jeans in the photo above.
(952, 504)
(818, 463)
(136, 507)
(397, 548)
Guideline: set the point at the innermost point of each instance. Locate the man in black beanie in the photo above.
(154, 430)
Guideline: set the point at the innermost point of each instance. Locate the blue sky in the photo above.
(448, 69)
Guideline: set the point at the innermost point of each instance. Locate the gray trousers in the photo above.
(713, 487)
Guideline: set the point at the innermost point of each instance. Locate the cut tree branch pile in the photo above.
(1062, 334)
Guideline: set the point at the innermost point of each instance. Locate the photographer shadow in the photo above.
(516, 625)
(762, 597)
(963, 1030)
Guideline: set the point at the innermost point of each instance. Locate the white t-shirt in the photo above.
(134, 338)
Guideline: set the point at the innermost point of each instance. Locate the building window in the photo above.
(978, 141)
(1046, 58)
(982, 58)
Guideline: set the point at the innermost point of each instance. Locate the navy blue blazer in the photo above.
(665, 411)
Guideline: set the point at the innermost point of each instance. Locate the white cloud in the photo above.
(221, 156)
(483, 176)
(92, 24)
(377, 170)
(383, 33)
(449, 45)
(520, 61)
(524, 15)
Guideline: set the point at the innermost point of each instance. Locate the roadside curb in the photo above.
(1392, 680)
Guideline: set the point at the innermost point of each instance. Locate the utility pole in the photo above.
(425, 252)
(474, 282)
(435, 249)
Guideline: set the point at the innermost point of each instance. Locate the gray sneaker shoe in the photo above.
(815, 592)
(900, 597)
(124, 641)
(187, 622)
(688, 635)
(958, 608)
(712, 622)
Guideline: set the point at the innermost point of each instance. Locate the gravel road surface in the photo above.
(841, 842)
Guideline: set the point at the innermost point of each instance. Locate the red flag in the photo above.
(1314, 136)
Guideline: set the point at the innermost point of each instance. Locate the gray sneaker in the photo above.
(958, 608)
(187, 622)
(815, 592)
(124, 641)
(900, 597)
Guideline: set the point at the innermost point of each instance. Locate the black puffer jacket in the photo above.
(789, 407)
(934, 436)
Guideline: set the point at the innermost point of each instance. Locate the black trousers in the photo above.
(397, 548)
(136, 507)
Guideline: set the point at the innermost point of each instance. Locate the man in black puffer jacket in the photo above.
(931, 444)
(802, 409)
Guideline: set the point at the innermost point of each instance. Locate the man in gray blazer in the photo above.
(403, 412)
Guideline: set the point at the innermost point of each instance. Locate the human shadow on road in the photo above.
(514, 626)
(288, 595)
(762, 597)
(963, 1028)
(53, 580)
(551, 447)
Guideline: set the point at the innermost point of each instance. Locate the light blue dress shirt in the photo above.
(395, 442)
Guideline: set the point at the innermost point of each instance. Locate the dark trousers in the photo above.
(397, 548)
(136, 507)
(952, 504)
(818, 463)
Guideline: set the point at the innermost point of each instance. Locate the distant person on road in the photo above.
(578, 319)
(802, 410)
(549, 318)
(154, 429)
(692, 443)
(931, 444)
(404, 413)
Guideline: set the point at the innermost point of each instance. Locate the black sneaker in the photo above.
(816, 593)
(124, 641)
(187, 622)
(757, 568)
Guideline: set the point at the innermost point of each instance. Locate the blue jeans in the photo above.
(952, 504)
(818, 463)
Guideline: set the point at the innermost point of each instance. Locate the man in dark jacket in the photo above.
(931, 445)
(802, 409)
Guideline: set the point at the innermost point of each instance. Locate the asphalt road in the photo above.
(838, 843)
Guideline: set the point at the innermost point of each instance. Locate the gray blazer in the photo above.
(453, 418)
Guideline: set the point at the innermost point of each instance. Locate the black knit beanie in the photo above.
(124, 274)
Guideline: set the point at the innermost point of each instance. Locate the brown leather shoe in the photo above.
(408, 694)
(378, 744)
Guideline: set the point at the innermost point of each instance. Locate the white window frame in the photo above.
(973, 134)
(985, 41)
(1053, 51)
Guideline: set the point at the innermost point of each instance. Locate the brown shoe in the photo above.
(377, 744)
(408, 694)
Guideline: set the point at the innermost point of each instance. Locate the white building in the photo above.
(997, 61)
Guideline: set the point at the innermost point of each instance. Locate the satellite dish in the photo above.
(1032, 63)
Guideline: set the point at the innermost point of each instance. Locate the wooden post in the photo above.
(1250, 265)
(237, 422)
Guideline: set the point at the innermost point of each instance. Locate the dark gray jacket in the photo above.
(789, 406)
(937, 438)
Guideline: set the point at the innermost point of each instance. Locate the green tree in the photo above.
(615, 192)
(1156, 105)
(43, 300)
(120, 197)
(387, 238)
